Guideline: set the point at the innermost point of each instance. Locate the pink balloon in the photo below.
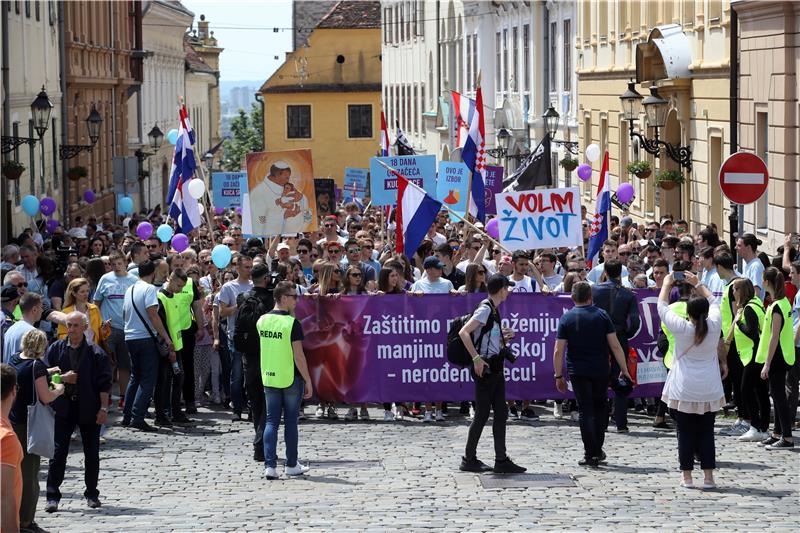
(585, 172)
(625, 193)
(180, 242)
(492, 229)
(144, 230)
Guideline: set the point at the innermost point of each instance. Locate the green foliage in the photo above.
(670, 175)
(569, 163)
(247, 135)
(637, 167)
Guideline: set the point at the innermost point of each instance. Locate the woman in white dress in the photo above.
(693, 390)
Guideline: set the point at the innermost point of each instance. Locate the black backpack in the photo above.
(457, 353)
(250, 307)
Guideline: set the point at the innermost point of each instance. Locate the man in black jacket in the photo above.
(620, 304)
(251, 361)
(86, 372)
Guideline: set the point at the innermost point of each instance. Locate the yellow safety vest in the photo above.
(744, 344)
(786, 340)
(725, 307)
(277, 356)
(174, 311)
(17, 313)
(185, 299)
(679, 308)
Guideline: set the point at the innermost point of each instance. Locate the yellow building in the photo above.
(326, 96)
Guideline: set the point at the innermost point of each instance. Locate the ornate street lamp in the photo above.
(156, 137)
(551, 119)
(656, 109)
(40, 110)
(93, 122)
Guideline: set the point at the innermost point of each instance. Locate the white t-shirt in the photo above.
(553, 281)
(490, 268)
(526, 284)
(754, 271)
(440, 286)
(437, 239)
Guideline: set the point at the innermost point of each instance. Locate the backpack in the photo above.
(457, 353)
(250, 307)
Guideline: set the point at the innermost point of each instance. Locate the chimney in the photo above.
(202, 28)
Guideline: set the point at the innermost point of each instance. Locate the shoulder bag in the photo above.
(163, 350)
(41, 425)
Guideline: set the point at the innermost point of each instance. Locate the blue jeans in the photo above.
(237, 379)
(286, 401)
(144, 373)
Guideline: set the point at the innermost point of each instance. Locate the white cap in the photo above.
(282, 165)
(77, 233)
(282, 246)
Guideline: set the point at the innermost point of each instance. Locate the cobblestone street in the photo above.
(403, 476)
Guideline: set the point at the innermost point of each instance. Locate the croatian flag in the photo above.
(384, 137)
(415, 213)
(182, 207)
(598, 229)
(474, 156)
(462, 109)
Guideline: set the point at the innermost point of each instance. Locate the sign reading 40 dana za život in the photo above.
(541, 218)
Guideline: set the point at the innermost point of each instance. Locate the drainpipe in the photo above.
(4, 188)
(438, 59)
(736, 216)
(63, 84)
(260, 100)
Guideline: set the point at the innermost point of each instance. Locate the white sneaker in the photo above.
(575, 416)
(296, 470)
(737, 429)
(471, 413)
(398, 412)
(320, 412)
(428, 417)
(332, 414)
(557, 412)
(439, 415)
(352, 414)
(387, 416)
(753, 435)
(271, 472)
(364, 414)
(302, 414)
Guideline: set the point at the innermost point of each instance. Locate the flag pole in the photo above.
(207, 209)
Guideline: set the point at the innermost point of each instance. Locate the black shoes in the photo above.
(191, 410)
(51, 506)
(125, 423)
(258, 456)
(163, 422)
(143, 426)
(782, 444)
(237, 416)
(589, 461)
(474, 465)
(94, 503)
(507, 466)
(181, 419)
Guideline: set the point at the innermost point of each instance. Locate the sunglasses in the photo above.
(476, 249)
(23, 284)
(355, 274)
(578, 270)
(152, 246)
(335, 251)
(314, 255)
(354, 250)
(650, 229)
(329, 225)
(302, 251)
(625, 253)
(495, 252)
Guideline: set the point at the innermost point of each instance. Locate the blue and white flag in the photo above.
(182, 207)
(598, 229)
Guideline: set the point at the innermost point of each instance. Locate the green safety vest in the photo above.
(185, 299)
(174, 311)
(17, 313)
(277, 356)
(679, 308)
(786, 341)
(725, 308)
(744, 344)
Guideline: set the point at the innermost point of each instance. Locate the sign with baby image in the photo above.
(280, 197)
(452, 186)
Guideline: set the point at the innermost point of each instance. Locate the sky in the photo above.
(245, 29)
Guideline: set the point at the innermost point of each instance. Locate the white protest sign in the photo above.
(541, 218)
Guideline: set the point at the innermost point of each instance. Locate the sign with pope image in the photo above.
(280, 194)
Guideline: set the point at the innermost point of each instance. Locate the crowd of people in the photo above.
(156, 333)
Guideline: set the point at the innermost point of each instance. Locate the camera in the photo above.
(507, 354)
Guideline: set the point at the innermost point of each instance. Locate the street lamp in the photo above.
(656, 109)
(156, 137)
(551, 119)
(40, 110)
(93, 122)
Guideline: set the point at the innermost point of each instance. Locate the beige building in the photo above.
(684, 49)
(205, 45)
(768, 111)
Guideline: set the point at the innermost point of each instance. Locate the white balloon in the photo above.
(592, 152)
(180, 220)
(197, 188)
(18, 209)
(201, 208)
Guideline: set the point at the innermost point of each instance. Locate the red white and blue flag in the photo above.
(474, 156)
(598, 228)
(415, 213)
(182, 207)
(384, 152)
(462, 109)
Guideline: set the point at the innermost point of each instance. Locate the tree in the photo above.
(247, 135)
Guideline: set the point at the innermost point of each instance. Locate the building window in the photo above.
(474, 61)
(298, 121)
(567, 56)
(762, 151)
(51, 9)
(526, 58)
(359, 121)
(515, 57)
(714, 11)
(28, 8)
(552, 67)
(469, 61)
(505, 60)
(36, 10)
(498, 61)
(387, 24)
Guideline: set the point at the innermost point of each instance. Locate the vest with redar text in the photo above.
(744, 344)
(786, 338)
(277, 356)
(174, 310)
(679, 308)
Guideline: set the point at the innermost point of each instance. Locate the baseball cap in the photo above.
(9, 292)
(626, 222)
(497, 282)
(432, 262)
(282, 246)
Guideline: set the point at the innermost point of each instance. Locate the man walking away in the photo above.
(490, 385)
(588, 334)
(285, 378)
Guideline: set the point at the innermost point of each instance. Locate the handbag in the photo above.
(41, 426)
(161, 346)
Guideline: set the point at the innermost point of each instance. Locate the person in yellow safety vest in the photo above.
(285, 376)
(172, 310)
(725, 268)
(746, 331)
(776, 352)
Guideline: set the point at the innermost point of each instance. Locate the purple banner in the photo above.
(393, 347)
(492, 186)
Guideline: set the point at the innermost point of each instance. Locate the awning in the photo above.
(666, 55)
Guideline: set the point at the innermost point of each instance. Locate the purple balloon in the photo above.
(180, 242)
(47, 206)
(52, 225)
(493, 229)
(144, 230)
(219, 210)
(88, 196)
(585, 172)
(625, 193)
(238, 210)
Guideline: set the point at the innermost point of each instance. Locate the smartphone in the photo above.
(678, 275)
(643, 242)
(796, 241)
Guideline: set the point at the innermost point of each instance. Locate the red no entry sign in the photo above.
(743, 178)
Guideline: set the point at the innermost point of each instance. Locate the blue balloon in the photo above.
(172, 136)
(164, 233)
(126, 205)
(30, 204)
(221, 255)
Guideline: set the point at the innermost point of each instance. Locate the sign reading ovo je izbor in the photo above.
(743, 177)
